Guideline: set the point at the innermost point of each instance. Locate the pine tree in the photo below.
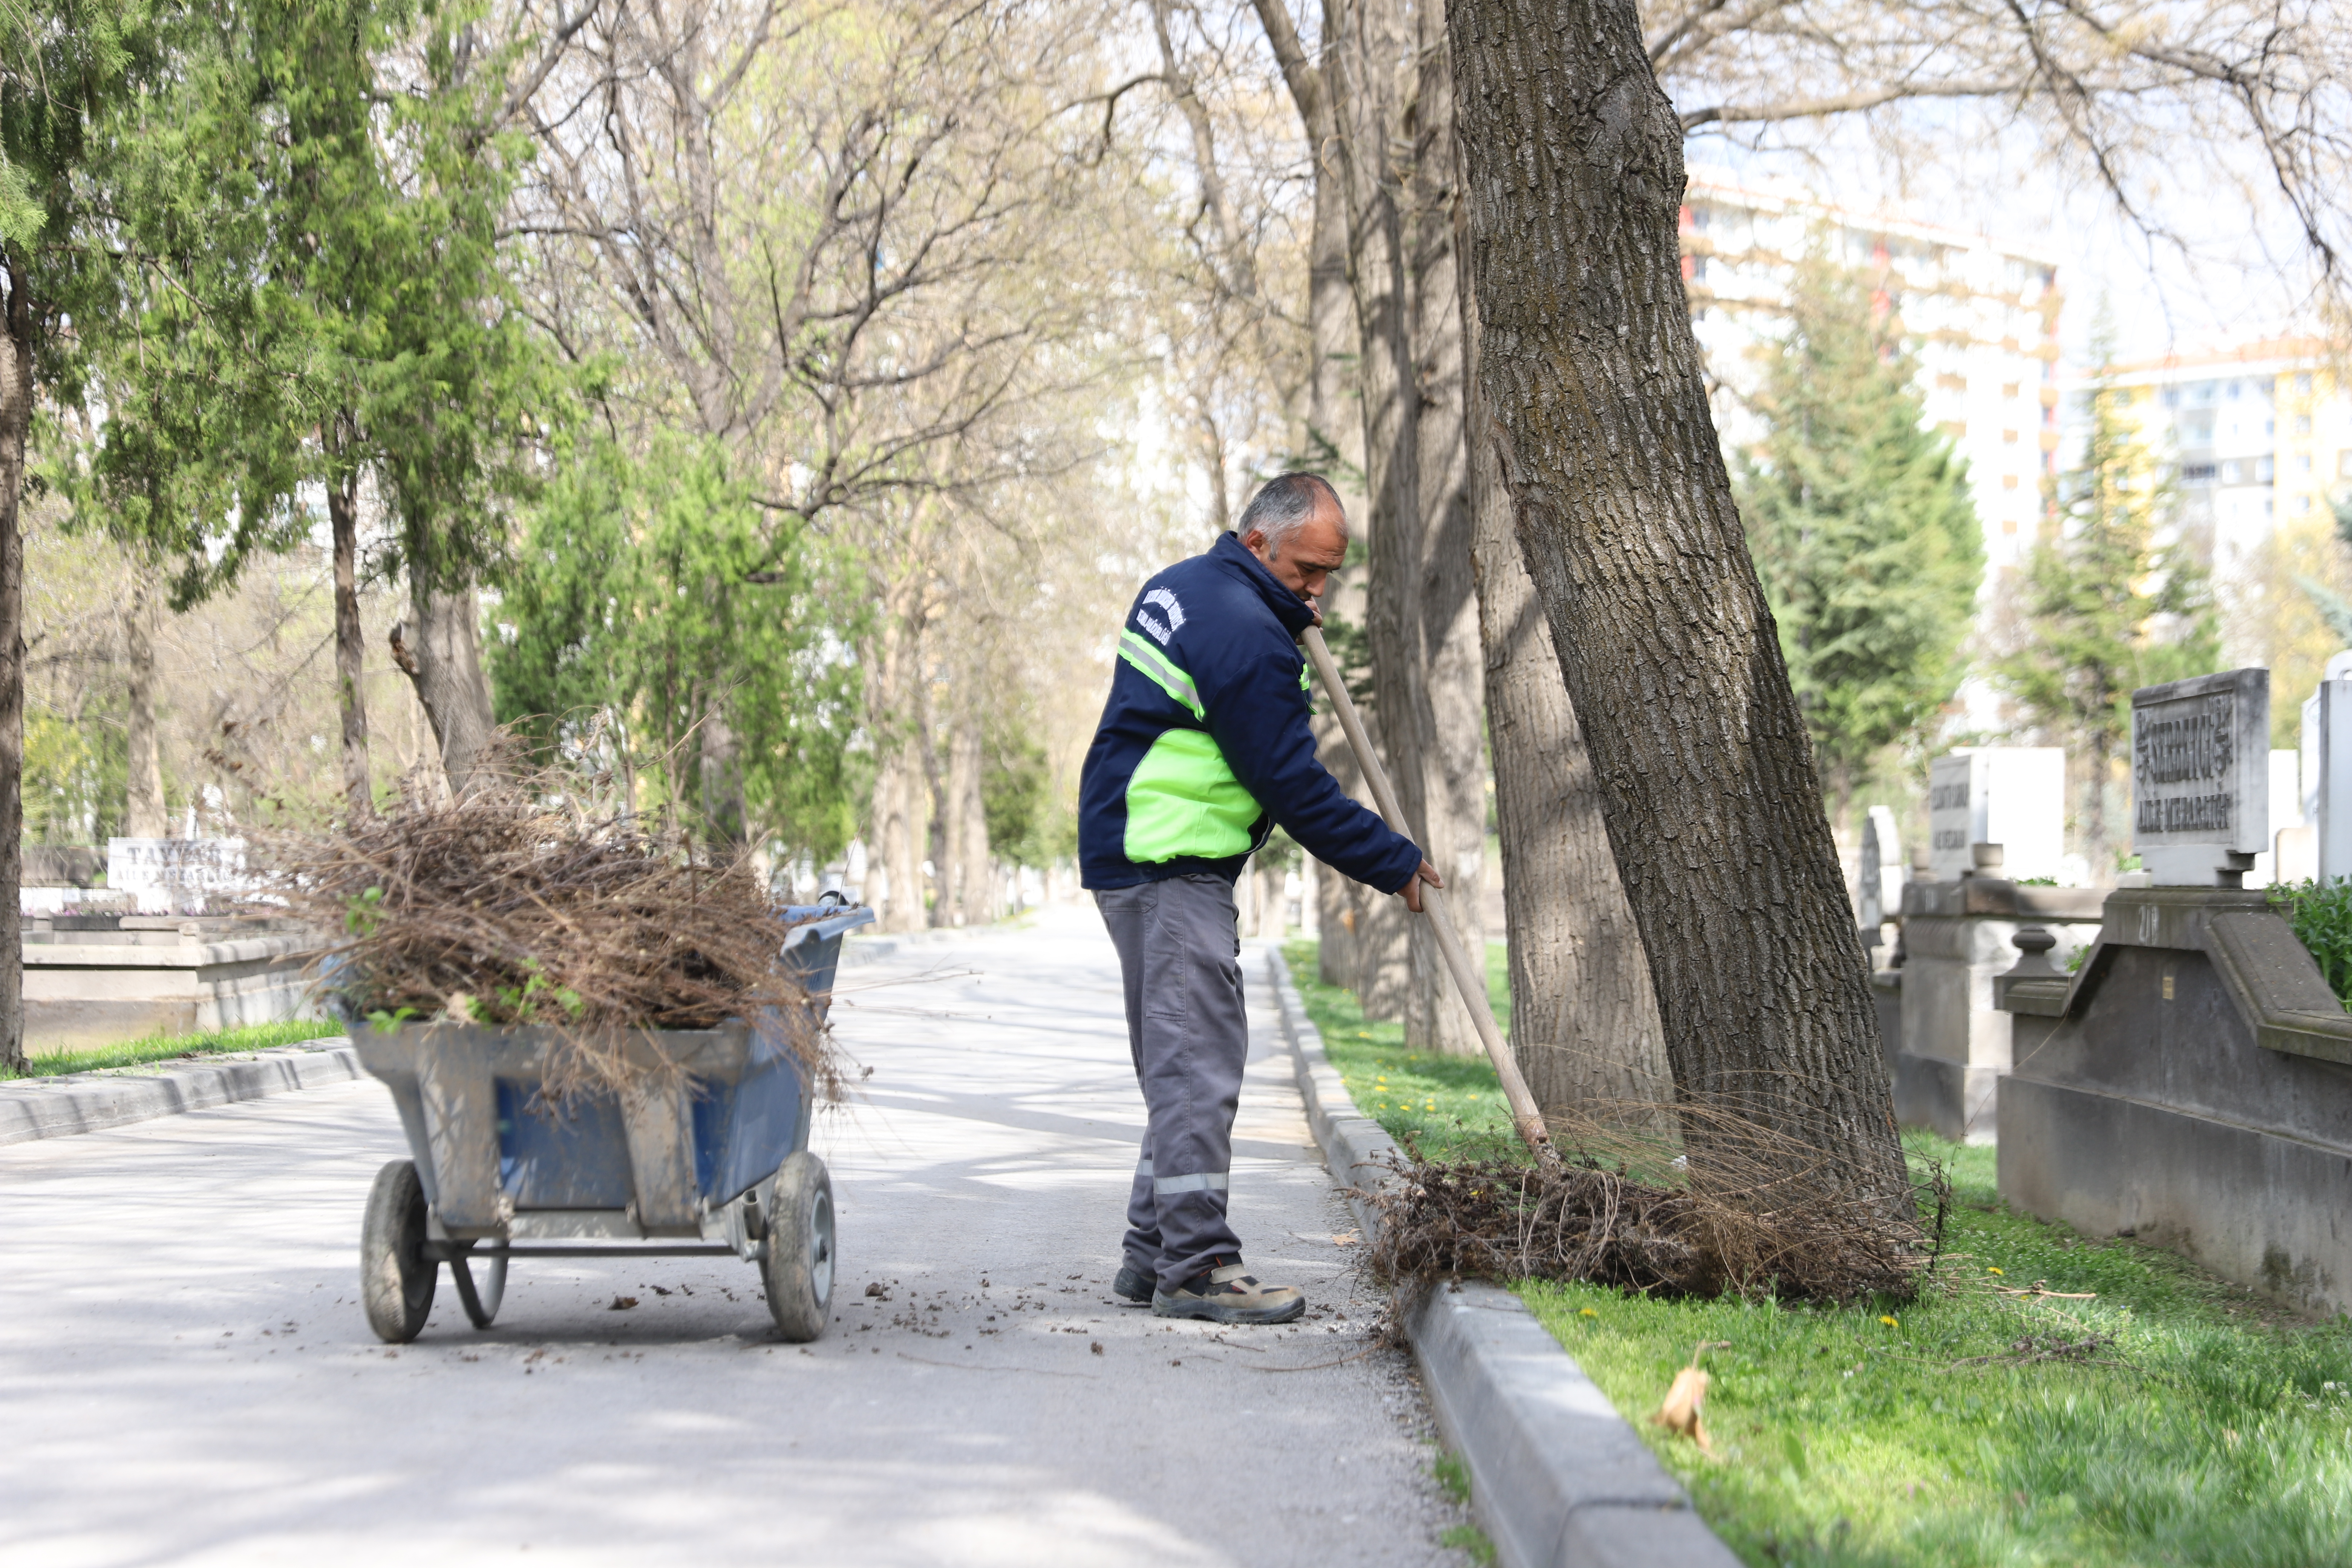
(2112, 599)
(1862, 529)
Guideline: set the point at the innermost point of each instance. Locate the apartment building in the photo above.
(2250, 435)
(1982, 315)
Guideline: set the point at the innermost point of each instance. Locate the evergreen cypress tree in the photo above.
(2112, 599)
(1862, 528)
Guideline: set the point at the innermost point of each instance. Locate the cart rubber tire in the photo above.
(396, 1279)
(798, 1268)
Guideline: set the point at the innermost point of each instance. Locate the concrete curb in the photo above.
(1558, 1478)
(88, 1102)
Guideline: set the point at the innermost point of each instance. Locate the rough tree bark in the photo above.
(1374, 42)
(1584, 1024)
(1602, 431)
(444, 662)
(721, 758)
(16, 422)
(142, 812)
(1453, 765)
(350, 645)
(1335, 430)
(975, 892)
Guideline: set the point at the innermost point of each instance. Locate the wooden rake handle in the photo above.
(1469, 978)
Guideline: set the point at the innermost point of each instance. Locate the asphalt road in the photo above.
(186, 1377)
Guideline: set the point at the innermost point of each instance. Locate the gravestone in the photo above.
(2327, 773)
(1879, 896)
(2014, 796)
(177, 876)
(2201, 778)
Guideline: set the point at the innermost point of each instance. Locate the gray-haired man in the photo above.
(1204, 747)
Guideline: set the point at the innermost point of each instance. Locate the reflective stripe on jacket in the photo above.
(1205, 744)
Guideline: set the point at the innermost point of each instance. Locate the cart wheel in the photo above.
(798, 1268)
(395, 1277)
(481, 1303)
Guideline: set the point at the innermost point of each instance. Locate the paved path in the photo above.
(186, 1377)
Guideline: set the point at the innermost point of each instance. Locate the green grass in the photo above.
(2203, 1428)
(1446, 1105)
(165, 1048)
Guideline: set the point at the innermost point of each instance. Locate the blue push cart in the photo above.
(708, 1162)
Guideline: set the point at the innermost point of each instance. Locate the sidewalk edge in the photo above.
(1558, 1478)
(38, 1108)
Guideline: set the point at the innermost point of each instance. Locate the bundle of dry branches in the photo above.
(504, 909)
(1742, 1210)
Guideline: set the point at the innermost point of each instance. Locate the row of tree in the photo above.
(780, 308)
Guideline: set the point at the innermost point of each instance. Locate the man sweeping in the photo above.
(1204, 747)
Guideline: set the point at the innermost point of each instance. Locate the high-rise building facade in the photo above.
(1981, 315)
(2249, 434)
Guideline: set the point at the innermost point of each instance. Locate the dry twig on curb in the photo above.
(1759, 1212)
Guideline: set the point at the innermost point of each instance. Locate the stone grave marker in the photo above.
(176, 875)
(2201, 778)
(1879, 896)
(2014, 796)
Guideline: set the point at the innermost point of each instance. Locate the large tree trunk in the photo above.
(15, 420)
(1335, 431)
(444, 662)
(143, 807)
(1334, 442)
(1375, 45)
(975, 888)
(1453, 763)
(351, 647)
(721, 758)
(1603, 437)
(1584, 1024)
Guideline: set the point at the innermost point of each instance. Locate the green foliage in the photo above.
(164, 1049)
(631, 616)
(1017, 801)
(74, 777)
(2108, 605)
(313, 290)
(2321, 915)
(1861, 525)
(2333, 608)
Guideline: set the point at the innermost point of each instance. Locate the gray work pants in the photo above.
(1180, 954)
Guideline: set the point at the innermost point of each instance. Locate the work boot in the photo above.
(1230, 1295)
(1133, 1284)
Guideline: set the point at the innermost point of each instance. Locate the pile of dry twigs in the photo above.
(1753, 1213)
(511, 907)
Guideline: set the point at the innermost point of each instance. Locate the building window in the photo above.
(2303, 465)
(2303, 382)
(2233, 472)
(2172, 397)
(2009, 390)
(2264, 468)
(2008, 481)
(2202, 473)
(2302, 423)
(2233, 393)
(2122, 396)
(2344, 464)
(2009, 525)
(2009, 437)
(2302, 505)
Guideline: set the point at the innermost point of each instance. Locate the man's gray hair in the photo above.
(1282, 506)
